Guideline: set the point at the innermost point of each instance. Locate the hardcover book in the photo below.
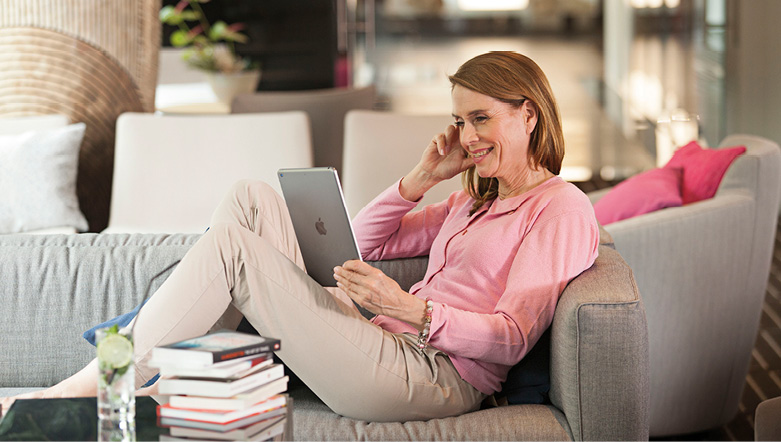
(214, 347)
(173, 422)
(234, 368)
(238, 402)
(220, 387)
(220, 416)
(262, 430)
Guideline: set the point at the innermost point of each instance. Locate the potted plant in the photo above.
(212, 48)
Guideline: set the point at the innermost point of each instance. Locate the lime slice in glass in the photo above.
(115, 351)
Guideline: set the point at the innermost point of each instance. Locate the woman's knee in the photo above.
(253, 190)
(225, 236)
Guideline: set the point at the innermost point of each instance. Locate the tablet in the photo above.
(325, 234)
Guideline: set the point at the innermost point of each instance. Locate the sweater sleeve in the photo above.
(387, 229)
(549, 256)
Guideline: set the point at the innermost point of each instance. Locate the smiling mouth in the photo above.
(482, 153)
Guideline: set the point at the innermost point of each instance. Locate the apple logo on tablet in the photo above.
(320, 227)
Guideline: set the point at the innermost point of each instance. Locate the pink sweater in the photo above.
(494, 277)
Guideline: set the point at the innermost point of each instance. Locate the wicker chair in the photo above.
(89, 60)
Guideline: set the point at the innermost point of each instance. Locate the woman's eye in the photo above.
(480, 119)
(459, 124)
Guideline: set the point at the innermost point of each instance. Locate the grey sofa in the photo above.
(53, 287)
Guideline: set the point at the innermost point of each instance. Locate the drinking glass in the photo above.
(116, 378)
(119, 431)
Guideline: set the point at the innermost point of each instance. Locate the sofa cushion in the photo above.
(38, 177)
(703, 169)
(313, 420)
(643, 193)
(528, 382)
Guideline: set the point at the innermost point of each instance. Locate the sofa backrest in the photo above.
(57, 286)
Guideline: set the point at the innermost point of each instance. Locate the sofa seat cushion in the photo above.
(313, 420)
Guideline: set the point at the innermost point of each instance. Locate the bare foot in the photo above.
(81, 384)
(6, 402)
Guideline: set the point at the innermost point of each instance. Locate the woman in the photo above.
(500, 254)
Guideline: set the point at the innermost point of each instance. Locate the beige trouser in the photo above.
(249, 263)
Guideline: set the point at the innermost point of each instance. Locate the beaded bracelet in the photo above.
(423, 335)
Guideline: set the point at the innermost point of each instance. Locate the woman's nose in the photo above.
(468, 135)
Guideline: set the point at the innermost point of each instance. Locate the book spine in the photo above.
(266, 347)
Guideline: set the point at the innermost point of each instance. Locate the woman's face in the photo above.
(494, 134)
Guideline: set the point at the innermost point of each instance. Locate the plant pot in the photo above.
(227, 86)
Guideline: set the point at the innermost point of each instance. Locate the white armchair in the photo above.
(702, 270)
(381, 147)
(326, 109)
(171, 171)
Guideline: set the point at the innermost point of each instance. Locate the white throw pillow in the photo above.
(38, 180)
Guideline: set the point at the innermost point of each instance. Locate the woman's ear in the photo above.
(530, 115)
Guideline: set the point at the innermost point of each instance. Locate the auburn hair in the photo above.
(513, 79)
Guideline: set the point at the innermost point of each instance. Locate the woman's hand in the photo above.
(442, 159)
(379, 294)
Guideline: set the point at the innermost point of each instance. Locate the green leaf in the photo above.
(170, 16)
(218, 30)
(180, 38)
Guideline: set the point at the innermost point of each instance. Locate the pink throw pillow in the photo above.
(703, 169)
(643, 193)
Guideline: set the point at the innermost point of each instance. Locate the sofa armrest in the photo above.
(599, 353)
(599, 348)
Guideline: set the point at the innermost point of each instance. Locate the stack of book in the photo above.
(222, 386)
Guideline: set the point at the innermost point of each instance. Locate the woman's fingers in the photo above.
(452, 135)
(367, 286)
(447, 140)
(440, 141)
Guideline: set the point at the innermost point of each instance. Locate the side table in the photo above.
(70, 419)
